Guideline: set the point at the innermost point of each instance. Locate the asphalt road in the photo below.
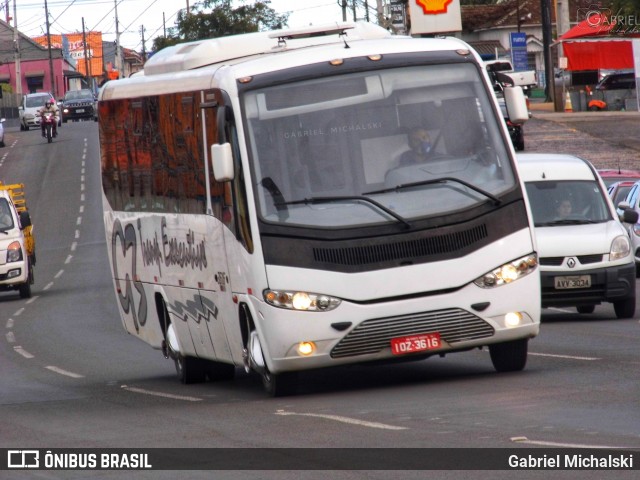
(70, 377)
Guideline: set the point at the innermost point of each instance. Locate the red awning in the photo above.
(594, 26)
(598, 54)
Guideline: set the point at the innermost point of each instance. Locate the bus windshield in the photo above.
(373, 147)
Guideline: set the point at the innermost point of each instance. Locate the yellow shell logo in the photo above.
(430, 7)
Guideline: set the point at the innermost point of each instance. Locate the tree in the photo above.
(219, 18)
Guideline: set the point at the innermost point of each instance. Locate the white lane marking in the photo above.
(64, 372)
(564, 445)
(77, 233)
(338, 418)
(571, 357)
(31, 300)
(48, 286)
(18, 313)
(79, 221)
(82, 187)
(74, 245)
(82, 178)
(160, 394)
(59, 274)
(10, 324)
(82, 197)
(81, 208)
(11, 338)
(22, 351)
(68, 260)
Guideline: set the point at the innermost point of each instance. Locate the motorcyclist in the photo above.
(50, 106)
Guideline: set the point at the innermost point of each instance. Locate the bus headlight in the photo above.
(509, 272)
(303, 301)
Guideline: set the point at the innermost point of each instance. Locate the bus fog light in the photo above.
(513, 319)
(306, 348)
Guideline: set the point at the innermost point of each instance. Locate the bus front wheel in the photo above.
(509, 356)
(280, 385)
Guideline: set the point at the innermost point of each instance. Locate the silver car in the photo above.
(632, 202)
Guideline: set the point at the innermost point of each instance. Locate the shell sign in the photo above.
(433, 6)
(435, 16)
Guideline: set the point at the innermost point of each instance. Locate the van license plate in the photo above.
(80, 110)
(415, 343)
(578, 281)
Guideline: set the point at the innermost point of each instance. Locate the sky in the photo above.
(66, 16)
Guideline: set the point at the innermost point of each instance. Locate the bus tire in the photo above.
(190, 369)
(281, 384)
(509, 356)
(218, 371)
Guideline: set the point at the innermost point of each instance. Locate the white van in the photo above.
(583, 249)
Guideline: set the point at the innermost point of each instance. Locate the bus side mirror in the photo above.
(222, 162)
(516, 105)
(25, 219)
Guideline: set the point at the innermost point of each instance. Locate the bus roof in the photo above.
(190, 55)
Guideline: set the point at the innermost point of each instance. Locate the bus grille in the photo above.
(371, 336)
(384, 252)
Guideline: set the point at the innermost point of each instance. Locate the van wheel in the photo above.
(509, 356)
(586, 308)
(625, 308)
(25, 290)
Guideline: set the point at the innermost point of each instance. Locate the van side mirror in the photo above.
(25, 219)
(222, 162)
(630, 216)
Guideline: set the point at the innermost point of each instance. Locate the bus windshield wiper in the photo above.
(405, 186)
(313, 200)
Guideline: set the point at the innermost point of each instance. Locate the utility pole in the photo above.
(545, 8)
(144, 50)
(343, 5)
(87, 67)
(118, 50)
(16, 45)
(51, 75)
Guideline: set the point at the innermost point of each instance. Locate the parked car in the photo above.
(632, 202)
(31, 103)
(2, 120)
(79, 105)
(612, 91)
(611, 175)
(584, 250)
(618, 191)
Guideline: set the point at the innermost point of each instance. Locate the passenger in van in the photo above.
(421, 148)
(564, 208)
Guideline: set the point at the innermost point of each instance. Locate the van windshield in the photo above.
(6, 219)
(375, 147)
(567, 203)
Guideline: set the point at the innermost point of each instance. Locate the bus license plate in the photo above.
(415, 343)
(578, 281)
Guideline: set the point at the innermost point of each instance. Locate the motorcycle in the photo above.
(48, 120)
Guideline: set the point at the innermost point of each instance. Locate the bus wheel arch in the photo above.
(189, 369)
(276, 385)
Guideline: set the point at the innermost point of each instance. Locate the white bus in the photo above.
(258, 212)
